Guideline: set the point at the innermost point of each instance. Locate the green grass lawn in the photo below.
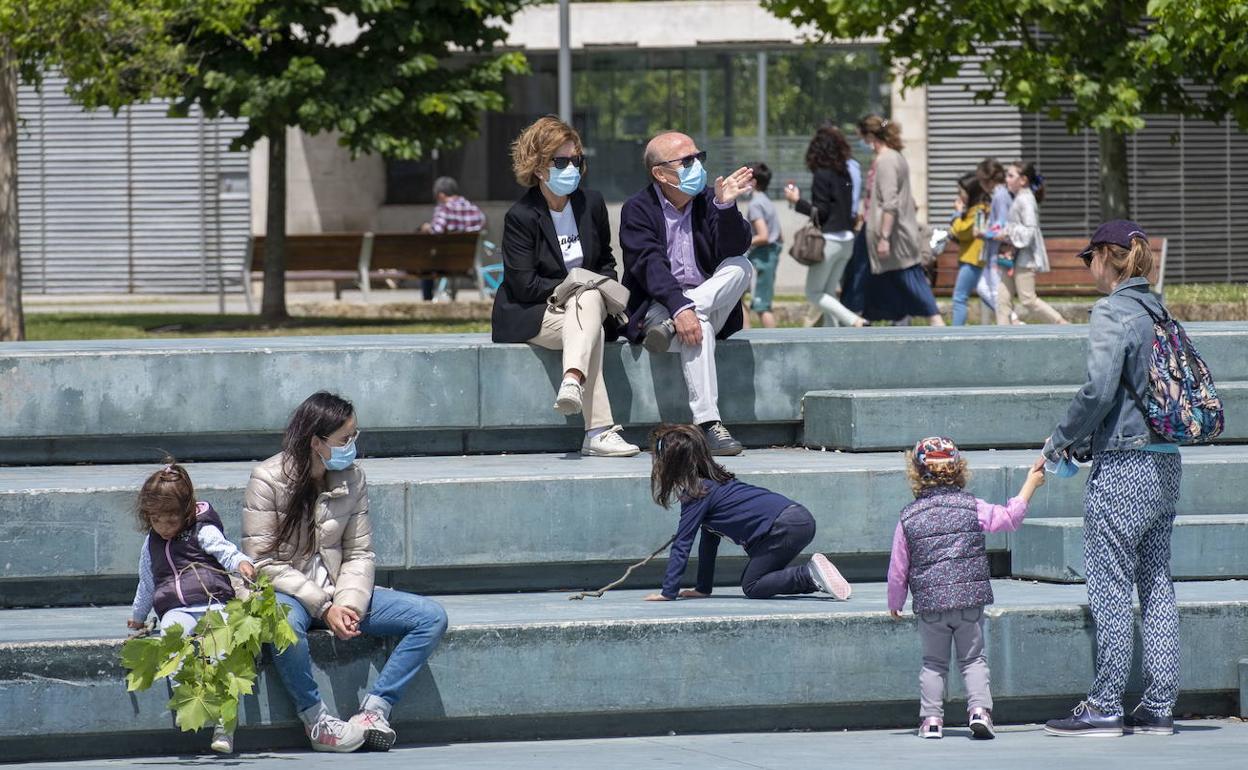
(83, 326)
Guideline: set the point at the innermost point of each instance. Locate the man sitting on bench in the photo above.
(453, 214)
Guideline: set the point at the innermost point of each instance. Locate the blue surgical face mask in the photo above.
(864, 145)
(563, 181)
(1063, 468)
(692, 179)
(340, 457)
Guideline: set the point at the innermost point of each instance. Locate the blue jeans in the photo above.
(765, 259)
(419, 621)
(968, 277)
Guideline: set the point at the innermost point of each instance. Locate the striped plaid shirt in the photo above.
(457, 215)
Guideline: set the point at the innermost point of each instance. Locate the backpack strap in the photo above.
(1163, 318)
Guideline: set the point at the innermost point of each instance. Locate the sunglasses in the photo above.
(1087, 259)
(686, 161)
(561, 161)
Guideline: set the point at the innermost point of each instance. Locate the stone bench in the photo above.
(229, 399)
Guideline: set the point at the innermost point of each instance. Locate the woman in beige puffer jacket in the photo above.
(306, 527)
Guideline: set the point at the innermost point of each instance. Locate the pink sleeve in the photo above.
(898, 571)
(1001, 518)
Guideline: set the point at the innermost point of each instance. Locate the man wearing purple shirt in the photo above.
(685, 269)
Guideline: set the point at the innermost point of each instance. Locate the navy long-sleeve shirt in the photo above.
(741, 512)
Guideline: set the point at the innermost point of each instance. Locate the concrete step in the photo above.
(228, 399)
(1202, 548)
(996, 417)
(522, 522)
(539, 666)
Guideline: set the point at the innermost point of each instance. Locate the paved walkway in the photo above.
(1207, 744)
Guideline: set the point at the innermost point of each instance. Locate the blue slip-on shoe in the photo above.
(1142, 722)
(1085, 721)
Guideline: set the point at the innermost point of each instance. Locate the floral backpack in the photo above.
(1183, 405)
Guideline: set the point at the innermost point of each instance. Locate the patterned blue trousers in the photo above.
(1129, 506)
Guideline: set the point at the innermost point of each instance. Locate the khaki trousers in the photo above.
(1023, 285)
(577, 331)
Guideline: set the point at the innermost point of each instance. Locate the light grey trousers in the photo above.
(964, 630)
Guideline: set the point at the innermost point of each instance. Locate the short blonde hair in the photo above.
(950, 474)
(536, 146)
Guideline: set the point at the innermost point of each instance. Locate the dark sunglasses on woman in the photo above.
(686, 161)
(561, 161)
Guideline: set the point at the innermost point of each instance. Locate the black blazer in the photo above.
(832, 194)
(533, 261)
(717, 235)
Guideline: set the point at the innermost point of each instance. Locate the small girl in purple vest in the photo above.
(184, 561)
(939, 555)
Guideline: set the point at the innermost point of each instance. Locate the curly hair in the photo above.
(954, 474)
(536, 146)
(828, 149)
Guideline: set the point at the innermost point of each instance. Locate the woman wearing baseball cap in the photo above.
(1130, 497)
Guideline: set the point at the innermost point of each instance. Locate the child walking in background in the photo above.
(1022, 232)
(939, 555)
(772, 528)
(184, 561)
(765, 246)
(969, 223)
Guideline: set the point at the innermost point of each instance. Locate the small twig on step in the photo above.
(598, 594)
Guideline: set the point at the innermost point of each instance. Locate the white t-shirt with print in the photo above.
(569, 236)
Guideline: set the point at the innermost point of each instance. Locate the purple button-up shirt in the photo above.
(680, 242)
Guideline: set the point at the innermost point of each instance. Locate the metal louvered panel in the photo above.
(137, 202)
(961, 132)
(1069, 165)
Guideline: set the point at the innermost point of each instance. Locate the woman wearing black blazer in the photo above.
(554, 227)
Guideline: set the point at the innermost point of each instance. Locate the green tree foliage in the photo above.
(214, 666)
(1099, 64)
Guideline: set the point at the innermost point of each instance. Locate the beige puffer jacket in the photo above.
(339, 570)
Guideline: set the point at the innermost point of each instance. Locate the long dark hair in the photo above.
(828, 149)
(168, 491)
(974, 191)
(682, 460)
(319, 415)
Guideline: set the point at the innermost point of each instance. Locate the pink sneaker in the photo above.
(828, 578)
(932, 727)
(330, 733)
(981, 723)
(378, 735)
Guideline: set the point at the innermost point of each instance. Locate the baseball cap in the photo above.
(1119, 232)
(933, 452)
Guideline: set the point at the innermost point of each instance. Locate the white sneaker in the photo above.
(609, 443)
(330, 733)
(378, 734)
(222, 742)
(569, 399)
(828, 577)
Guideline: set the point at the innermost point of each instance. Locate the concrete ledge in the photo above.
(997, 417)
(484, 520)
(1202, 548)
(518, 663)
(119, 401)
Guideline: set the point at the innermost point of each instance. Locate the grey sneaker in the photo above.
(1085, 721)
(329, 733)
(569, 399)
(378, 734)
(609, 443)
(222, 742)
(658, 338)
(721, 441)
(1141, 722)
(828, 577)
(981, 723)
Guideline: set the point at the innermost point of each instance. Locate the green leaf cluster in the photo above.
(1100, 64)
(214, 665)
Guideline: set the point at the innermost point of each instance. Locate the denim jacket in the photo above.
(1106, 415)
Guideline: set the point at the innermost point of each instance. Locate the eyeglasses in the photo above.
(350, 439)
(686, 161)
(561, 161)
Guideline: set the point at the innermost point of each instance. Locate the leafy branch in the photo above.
(214, 665)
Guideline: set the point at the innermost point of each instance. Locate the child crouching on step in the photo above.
(939, 555)
(772, 528)
(183, 562)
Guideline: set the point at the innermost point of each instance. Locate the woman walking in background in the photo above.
(831, 204)
(898, 287)
(1022, 231)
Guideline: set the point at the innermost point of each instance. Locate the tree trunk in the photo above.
(1115, 192)
(273, 306)
(12, 323)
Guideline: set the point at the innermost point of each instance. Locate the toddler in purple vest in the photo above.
(939, 556)
(184, 561)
